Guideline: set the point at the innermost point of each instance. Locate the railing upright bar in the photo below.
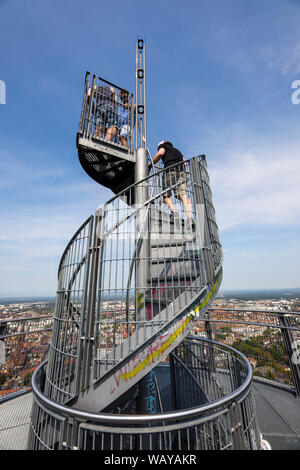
(84, 104)
(81, 339)
(90, 107)
(288, 343)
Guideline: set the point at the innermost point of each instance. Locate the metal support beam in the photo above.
(88, 330)
(288, 340)
(147, 398)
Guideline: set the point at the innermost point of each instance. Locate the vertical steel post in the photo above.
(141, 192)
(147, 398)
(82, 125)
(90, 312)
(288, 340)
(236, 427)
(84, 313)
(90, 107)
(142, 229)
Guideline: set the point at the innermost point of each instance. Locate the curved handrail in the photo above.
(121, 193)
(72, 239)
(147, 177)
(167, 416)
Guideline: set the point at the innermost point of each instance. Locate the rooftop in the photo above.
(278, 414)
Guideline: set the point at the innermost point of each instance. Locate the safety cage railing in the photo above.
(103, 310)
(262, 336)
(107, 113)
(211, 411)
(270, 339)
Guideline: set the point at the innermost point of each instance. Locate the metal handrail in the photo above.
(71, 241)
(124, 191)
(121, 193)
(241, 322)
(167, 416)
(271, 312)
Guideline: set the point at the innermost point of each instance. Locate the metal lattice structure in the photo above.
(105, 317)
(105, 136)
(276, 402)
(222, 415)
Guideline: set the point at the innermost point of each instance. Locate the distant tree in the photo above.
(27, 379)
(3, 378)
(270, 375)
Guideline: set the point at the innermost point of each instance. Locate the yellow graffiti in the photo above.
(172, 338)
(153, 355)
(208, 296)
(139, 299)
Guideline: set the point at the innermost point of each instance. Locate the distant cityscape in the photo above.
(246, 294)
(26, 325)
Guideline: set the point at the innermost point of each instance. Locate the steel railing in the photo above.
(223, 419)
(107, 113)
(23, 342)
(96, 323)
(268, 338)
(232, 326)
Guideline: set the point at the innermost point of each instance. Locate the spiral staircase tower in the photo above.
(132, 280)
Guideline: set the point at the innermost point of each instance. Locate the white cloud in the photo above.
(284, 58)
(256, 189)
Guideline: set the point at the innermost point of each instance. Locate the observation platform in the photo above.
(277, 414)
(105, 136)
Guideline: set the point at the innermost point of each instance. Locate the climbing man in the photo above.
(175, 177)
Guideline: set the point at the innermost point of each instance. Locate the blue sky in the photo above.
(219, 76)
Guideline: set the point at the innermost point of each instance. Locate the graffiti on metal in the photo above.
(152, 353)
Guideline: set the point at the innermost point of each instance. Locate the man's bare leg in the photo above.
(124, 141)
(168, 201)
(99, 131)
(111, 132)
(187, 205)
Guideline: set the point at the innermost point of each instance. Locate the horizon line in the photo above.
(266, 289)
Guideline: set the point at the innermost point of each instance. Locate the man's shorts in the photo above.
(106, 115)
(174, 177)
(124, 132)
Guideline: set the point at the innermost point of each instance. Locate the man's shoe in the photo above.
(190, 225)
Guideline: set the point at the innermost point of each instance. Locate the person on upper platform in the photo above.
(174, 178)
(124, 121)
(106, 119)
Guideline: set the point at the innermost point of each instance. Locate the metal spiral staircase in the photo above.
(119, 314)
(132, 279)
(131, 283)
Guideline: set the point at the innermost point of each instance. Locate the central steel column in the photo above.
(142, 272)
(147, 397)
(147, 393)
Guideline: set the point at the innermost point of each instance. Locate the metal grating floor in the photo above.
(278, 414)
(14, 422)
